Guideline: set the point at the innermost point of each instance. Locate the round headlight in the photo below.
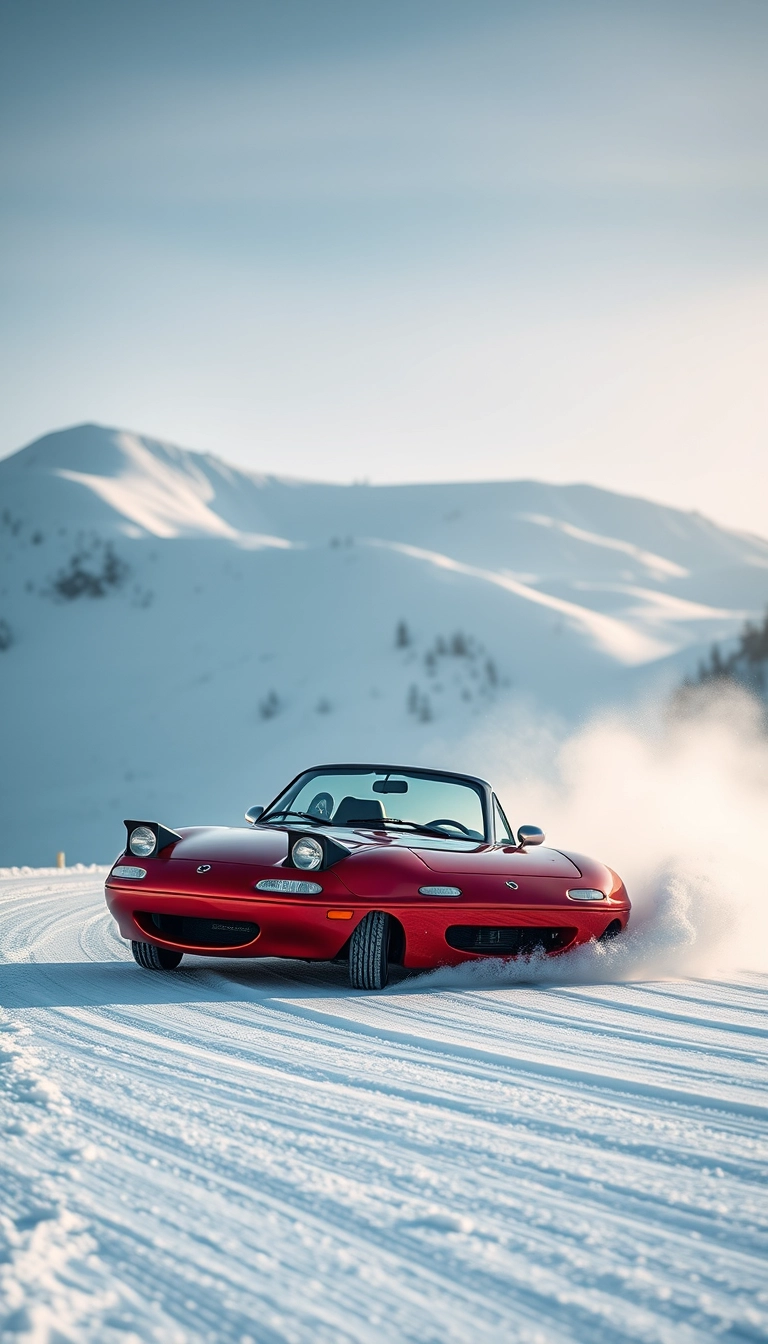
(307, 853)
(142, 841)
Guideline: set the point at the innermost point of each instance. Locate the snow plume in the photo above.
(677, 805)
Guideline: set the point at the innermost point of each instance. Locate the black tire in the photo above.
(613, 931)
(154, 958)
(369, 951)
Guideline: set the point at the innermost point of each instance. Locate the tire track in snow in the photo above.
(252, 1151)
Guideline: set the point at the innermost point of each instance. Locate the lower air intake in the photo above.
(506, 942)
(193, 932)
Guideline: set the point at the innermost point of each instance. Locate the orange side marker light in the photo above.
(340, 914)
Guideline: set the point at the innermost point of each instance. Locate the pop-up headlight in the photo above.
(307, 853)
(147, 838)
(142, 841)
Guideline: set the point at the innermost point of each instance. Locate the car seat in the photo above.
(358, 809)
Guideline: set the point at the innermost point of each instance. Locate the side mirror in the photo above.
(253, 814)
(526, 835)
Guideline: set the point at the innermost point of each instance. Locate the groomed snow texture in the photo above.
(253, 1152)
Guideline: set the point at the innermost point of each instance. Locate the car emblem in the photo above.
(513, 885)
(204, 868)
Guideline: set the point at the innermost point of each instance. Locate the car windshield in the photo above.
(394, 800)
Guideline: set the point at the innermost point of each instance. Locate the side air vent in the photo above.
(191, 932)
(506, 942)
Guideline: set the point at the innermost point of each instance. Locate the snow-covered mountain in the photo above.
(177, 637)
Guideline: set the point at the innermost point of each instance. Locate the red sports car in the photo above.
(327, 873)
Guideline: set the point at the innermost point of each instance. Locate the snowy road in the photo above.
(251, 1151)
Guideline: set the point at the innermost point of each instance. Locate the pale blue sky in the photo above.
(398, 241)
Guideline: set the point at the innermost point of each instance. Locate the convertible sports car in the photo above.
(328, 874)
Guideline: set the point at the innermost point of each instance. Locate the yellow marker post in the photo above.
(61, 859)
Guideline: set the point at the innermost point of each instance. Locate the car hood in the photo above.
(257, 845)
(269, 845)
(506, 862)
(230, 844)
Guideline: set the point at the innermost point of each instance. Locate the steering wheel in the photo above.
(448, 821)
(321, 806)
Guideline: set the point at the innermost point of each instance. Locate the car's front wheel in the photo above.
(154, 958)
(368, 952)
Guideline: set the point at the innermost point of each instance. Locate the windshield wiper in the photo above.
(368, 823)
(286, 812)
(376, 823)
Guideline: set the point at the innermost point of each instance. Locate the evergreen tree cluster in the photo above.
(93, 571)
(746, 664)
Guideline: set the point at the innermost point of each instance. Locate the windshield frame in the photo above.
(479, 786)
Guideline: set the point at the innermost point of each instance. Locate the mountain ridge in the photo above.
(93, 443)
(261, 478)
(250, 624)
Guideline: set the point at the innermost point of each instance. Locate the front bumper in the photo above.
(312, 930)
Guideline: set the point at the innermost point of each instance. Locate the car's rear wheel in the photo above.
(369, 951)
(154, 958)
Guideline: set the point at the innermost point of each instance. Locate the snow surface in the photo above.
(253, 1152)
(246, 628)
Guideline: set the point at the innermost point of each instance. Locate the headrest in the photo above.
(358, 809)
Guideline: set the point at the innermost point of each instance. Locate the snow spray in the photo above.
(677, 804)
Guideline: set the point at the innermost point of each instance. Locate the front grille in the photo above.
(200, 932)
(509, 941)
